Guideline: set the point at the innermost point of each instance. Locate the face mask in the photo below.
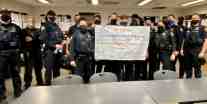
(194, 22)
(5, 18)
(113, 22)
(161, 29)
(123, 23)
(171, 23)
(52, 19)
(97, 22)
(83, 29)
(148, 24)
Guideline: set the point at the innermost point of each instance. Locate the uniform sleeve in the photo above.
(72, 47)
(178, 38)
(20, 37)
(173, 41)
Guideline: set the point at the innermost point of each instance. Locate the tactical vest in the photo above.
(194, 37)
(164, 40)
(55, 35)
(85, 41)
(9, 37)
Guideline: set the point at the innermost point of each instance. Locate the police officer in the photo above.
(192, 50)
(32, 56)
(52, 38)
(172, 26)
(180, 33)
(73, 28)
(167, 46)
(9, 53)
(82, 50)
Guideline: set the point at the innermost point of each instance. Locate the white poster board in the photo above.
(121, 43)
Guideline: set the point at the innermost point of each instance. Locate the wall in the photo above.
(106, 11)
(16, 6)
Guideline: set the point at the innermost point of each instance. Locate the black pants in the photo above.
(141, 70)
(166, 61)
(52, 65)
(114, 67)
(10, 58)
(99, 66)
(192, 61)
(181, 66)
(136, 71)
(129, 72)
(153, 63)
(84, 67)
(33, 59)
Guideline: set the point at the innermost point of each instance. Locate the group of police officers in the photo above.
(169, 41)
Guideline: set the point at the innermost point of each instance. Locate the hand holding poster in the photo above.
(121, 43)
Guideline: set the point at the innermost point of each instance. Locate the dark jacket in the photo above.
(166, 41)
(51, 35)
(72, 29)
(194, 37)
(82, 43)
(10, 36)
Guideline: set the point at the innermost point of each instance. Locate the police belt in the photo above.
(166, 49)
(82, 54)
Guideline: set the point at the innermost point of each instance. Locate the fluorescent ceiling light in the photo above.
(144, 2)
(191, 3)
(95, 2)
(44, 1)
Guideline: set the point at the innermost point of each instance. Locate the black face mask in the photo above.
(83, 29)
(5, 18)
(161, 29)
(123, 23)
(52, 19)
(194, 22)
(180, 23)
(97, 22)
(113, 22)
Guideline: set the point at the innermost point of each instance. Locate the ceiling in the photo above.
(114, 3)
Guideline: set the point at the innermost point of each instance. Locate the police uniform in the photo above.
(32, 57)
(82, 50)
(9, 55)
(51, 36)
(192, 46)
(167, 45)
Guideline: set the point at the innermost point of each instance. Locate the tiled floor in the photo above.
(10, 87)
